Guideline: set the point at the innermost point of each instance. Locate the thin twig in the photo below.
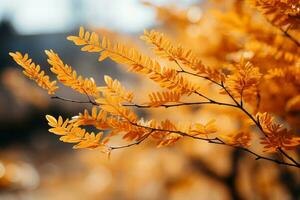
(286, 33)
(257, 156)
(288, 156)
(200, 76)
(90, 100)
(132, 144)
(149, 106)
(70, 100)
(74, 101)
(177, 63)
(205, 97)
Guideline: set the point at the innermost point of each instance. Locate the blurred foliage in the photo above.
(232, 82)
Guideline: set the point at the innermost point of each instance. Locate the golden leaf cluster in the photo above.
(34, 72)
(115, 88)
(249, 62)
(72, 134)
(269, 70)
(166, 137)
(260, 40)
(66, 75)
(95, 119)
(277, 135)
(136, 62)
(163, 47)
(273, 49)
(280, 12)
(114, 116)
(243, 83)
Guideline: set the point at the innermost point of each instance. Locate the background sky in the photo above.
(48, 16)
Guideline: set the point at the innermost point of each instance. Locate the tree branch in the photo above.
(149, 106)
(286, 33)
(215, 140)
(219, 141)
(132, 144)
(71, 100)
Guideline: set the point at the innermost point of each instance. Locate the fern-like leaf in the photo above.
(165, 138)
(69, 77)
(96, 119)
(73, 134)
(112, 105)
(34, 72)
(164, 48)
(136, 62)
(115, 88)
(160, 98)
(280, 13)
(243, 83)
(277, 135)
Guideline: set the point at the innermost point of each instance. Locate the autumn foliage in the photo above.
(261, 53)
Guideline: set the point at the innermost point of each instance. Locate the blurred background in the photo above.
(35, 165)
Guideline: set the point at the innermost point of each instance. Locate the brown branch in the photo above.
(288, 156)
(210, 101)
(219, 141)
(214, 141)
(70, 100)
(240, 106)
(286, 33)
(132, 144)
(200, 76)
(175, 59)
(90, 100)
(177, 63)
(148, 106)
(256, 122)
(74, 101)
(203, 96)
